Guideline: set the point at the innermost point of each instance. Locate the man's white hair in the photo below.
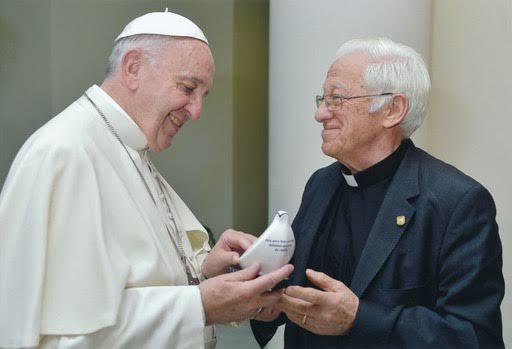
(150, 44)
(396, 68)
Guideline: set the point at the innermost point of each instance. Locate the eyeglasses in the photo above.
(334, 102)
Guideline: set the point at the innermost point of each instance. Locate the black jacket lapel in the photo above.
(314, 214)
(389, 224)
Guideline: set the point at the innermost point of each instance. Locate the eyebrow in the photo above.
(336, 85)
(196, 80)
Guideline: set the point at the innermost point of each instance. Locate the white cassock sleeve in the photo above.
(145, 320)
(62, 274)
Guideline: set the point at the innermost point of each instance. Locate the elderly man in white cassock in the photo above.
(96, 249)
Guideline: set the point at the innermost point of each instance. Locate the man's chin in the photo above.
(327, 149)
(165, 147)
(158, 148)
(163, 144)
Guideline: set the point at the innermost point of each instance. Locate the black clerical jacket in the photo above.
(430, 272)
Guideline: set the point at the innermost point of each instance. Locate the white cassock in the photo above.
(85, 258)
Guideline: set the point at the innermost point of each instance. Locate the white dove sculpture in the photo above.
(274, 248)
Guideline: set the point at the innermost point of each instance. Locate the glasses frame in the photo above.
(333, 107)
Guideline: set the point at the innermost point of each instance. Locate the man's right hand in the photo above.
(238, 296)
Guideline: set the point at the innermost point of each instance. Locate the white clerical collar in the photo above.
(125, 127)
(350, 179)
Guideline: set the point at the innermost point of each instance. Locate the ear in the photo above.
(131, 65)
(395, 111)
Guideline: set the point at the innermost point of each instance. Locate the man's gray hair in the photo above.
(150, 44)
(396, 68)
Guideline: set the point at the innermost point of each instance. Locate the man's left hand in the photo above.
(328, 312)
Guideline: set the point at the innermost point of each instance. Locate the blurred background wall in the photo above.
(470, 121)
(257, 141)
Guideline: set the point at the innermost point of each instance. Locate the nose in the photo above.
(194, 108)
(322, 113)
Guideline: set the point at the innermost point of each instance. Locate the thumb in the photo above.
(325, 282)
(229, 258)
(245, 274)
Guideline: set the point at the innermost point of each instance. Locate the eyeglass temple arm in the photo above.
(377, 95)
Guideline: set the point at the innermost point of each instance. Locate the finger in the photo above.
(309, 323)
(306, 293)
(239, 243)
(294, 305)
(269, 299)
(321, 327)
(222, 259)
(324, 282)
(229, 258)
(245, 274)
(268, 314)
(250, 237)
(295, 317)
(268, 281)
(236, 240)
(235, 260)
(298, 319)
(272, 312)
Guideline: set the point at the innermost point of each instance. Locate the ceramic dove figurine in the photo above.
(274, 248)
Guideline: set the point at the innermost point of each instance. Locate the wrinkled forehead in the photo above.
(347, 73)
(190, 57)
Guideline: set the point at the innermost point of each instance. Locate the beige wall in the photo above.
(250, 115)
(470, 121)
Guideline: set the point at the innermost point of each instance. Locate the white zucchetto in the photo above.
(163, 23)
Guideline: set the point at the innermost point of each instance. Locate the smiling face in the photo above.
(350, 133)
(171, 89)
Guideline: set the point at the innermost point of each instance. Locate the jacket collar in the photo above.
(391, 222)
(323, 194)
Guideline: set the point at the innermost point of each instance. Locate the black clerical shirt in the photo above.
(346, 226)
